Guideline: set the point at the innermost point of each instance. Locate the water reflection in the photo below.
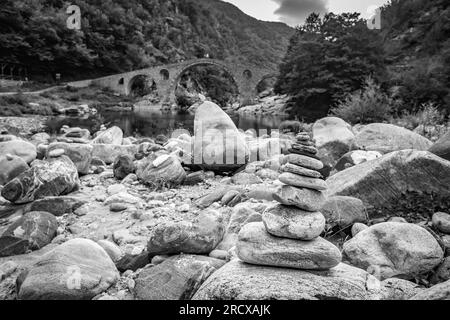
(150, 122)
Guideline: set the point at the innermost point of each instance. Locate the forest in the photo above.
(123, 35)
(336, 62)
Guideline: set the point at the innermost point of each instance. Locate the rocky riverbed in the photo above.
(332, 213)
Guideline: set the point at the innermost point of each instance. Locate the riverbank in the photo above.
(126, 209)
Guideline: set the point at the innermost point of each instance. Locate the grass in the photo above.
(428, 121)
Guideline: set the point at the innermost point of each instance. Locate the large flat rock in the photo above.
(381, 182)
(240, 281)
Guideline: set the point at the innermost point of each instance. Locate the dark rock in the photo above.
(177, 278)
(57, 206)
(123, 166)
(53, 177)
(31, 232)
(133, 262)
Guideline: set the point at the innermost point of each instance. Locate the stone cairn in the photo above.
(290, 233)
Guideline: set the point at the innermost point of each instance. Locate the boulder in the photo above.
(109, 152)
(331, 130)
(256, 246)
(111, 249)
(123, 166)
(438, 292)
(10, 167)
(52, 177)
(386, 138)
(25, 150)
(334, 138)
(393, 249)
(80, 154)
(160, 170)
(290, 222)
(58, 206)
(79, 269)
(344, 211)
(399, 289)
(177, 278)
(30, 232)
(239, 281)
(241, 215)
(218, 145)
(381, 182)
(442, 147)
(441, 221)
(200, 236)
(442, 273)
(354, 158)
(113, 135)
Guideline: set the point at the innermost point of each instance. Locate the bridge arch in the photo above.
(166, 77)
(141, 85)
(263, 79)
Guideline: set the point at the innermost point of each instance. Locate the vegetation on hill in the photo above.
(122, 35)
(329, 60)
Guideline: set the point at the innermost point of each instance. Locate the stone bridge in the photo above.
(167, 77)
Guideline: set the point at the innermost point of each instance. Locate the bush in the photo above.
(368, 105)
(428, 121)
(17, 99)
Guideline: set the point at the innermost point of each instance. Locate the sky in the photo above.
(294, 12)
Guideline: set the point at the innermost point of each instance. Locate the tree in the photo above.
(328, 58)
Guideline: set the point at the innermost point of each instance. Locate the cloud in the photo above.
(294, 12)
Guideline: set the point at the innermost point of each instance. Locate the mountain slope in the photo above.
(122, 35)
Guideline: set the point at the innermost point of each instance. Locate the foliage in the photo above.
(417, 44)
(326, 59)
(370, 104)
(119, 35)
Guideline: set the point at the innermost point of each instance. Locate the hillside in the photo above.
(123, 35)
(416, 37)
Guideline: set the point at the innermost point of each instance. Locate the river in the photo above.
(148, 122)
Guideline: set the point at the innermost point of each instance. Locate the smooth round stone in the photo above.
(305, 161)
(292, 168)
(305, 199)
(441, 221)
(307, 143)
(303, 153)
(302, 182)
(256, 246)
(293, 223)
(303, 148)
(303, 137)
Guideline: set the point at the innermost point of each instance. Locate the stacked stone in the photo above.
(290, 233)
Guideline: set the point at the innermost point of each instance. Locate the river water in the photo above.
(150, 122)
